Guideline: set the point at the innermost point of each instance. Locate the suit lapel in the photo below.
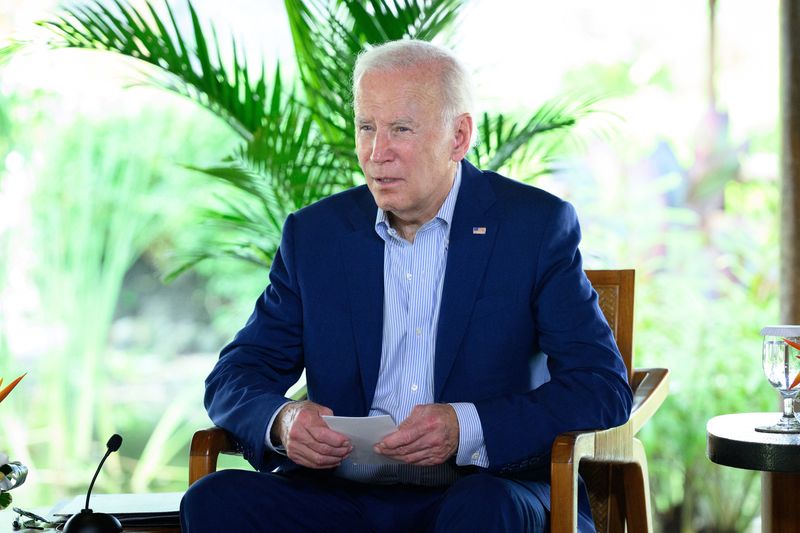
(362, 256)
(467, 256)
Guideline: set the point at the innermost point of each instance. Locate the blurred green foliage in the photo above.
(704, 241)
(108, 191)
(614, 78)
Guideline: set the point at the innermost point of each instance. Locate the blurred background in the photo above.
(109, 183)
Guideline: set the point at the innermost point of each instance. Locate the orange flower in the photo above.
(5, 392)
(793, 344)
(796, 379)
(796, 346)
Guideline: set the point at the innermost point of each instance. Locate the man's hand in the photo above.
(429, 436)
(307, 439)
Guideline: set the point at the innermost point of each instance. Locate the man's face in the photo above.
(404, 149)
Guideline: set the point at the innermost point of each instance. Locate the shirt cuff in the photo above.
(471, 448)
(268, 441)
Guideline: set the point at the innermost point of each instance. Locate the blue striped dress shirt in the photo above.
(413, 276)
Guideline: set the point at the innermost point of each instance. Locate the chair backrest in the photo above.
(615, 289)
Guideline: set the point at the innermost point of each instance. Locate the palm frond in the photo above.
(190, 63)
(329, 34)
(381, 20)
(325, 51)
(280, 171)
(246, 224)
(242, 226)
(8, 50)
(533, 141)
(291, 150)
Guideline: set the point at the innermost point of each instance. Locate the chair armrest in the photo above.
(614, 445)
(650, 386)
(206, 446)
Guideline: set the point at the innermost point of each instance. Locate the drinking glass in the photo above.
(780, 360)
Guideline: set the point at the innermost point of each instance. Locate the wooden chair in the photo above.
(612, 461)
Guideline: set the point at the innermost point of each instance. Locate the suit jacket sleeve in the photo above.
(247, 384)
(588, 386)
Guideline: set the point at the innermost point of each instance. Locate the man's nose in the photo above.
(381, 149)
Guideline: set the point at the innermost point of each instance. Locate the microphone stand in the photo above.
(88, 521)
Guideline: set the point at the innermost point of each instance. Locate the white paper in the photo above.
(122, 504)
(364, 432)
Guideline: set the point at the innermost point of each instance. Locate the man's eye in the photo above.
(402, 129)
(365, 127)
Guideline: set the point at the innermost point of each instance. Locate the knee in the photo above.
(482, 502)
(478, 491)
(211, 502)
(208, 495)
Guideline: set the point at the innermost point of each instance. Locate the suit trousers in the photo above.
(248, 501)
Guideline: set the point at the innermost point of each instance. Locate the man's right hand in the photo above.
(308, 440)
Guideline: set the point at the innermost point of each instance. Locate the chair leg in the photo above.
(567, 452)
(564, 504)
(616, 500)
(637, 494)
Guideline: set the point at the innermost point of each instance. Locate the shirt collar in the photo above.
(445, 213)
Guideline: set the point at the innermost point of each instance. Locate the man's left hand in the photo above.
(429, 436)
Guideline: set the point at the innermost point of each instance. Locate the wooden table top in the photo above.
(733, 441)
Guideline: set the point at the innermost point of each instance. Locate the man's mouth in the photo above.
(387, 181)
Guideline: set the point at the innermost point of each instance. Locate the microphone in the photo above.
(90, 522)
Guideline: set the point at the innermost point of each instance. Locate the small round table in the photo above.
(733, 441)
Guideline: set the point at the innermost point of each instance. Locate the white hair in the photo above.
(455, 83)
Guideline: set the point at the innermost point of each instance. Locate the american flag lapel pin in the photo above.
(479, 230)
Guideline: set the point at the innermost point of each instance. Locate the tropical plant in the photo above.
(297, 142)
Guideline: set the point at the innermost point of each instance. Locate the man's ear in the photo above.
(463, 136)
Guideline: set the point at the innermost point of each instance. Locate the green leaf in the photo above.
(528, 143)
(188, 63)
(328, 35)
(8, 50)
(5, 500)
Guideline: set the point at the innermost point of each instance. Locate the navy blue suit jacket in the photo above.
(509, 294)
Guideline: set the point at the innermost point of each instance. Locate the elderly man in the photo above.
(429, 295)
